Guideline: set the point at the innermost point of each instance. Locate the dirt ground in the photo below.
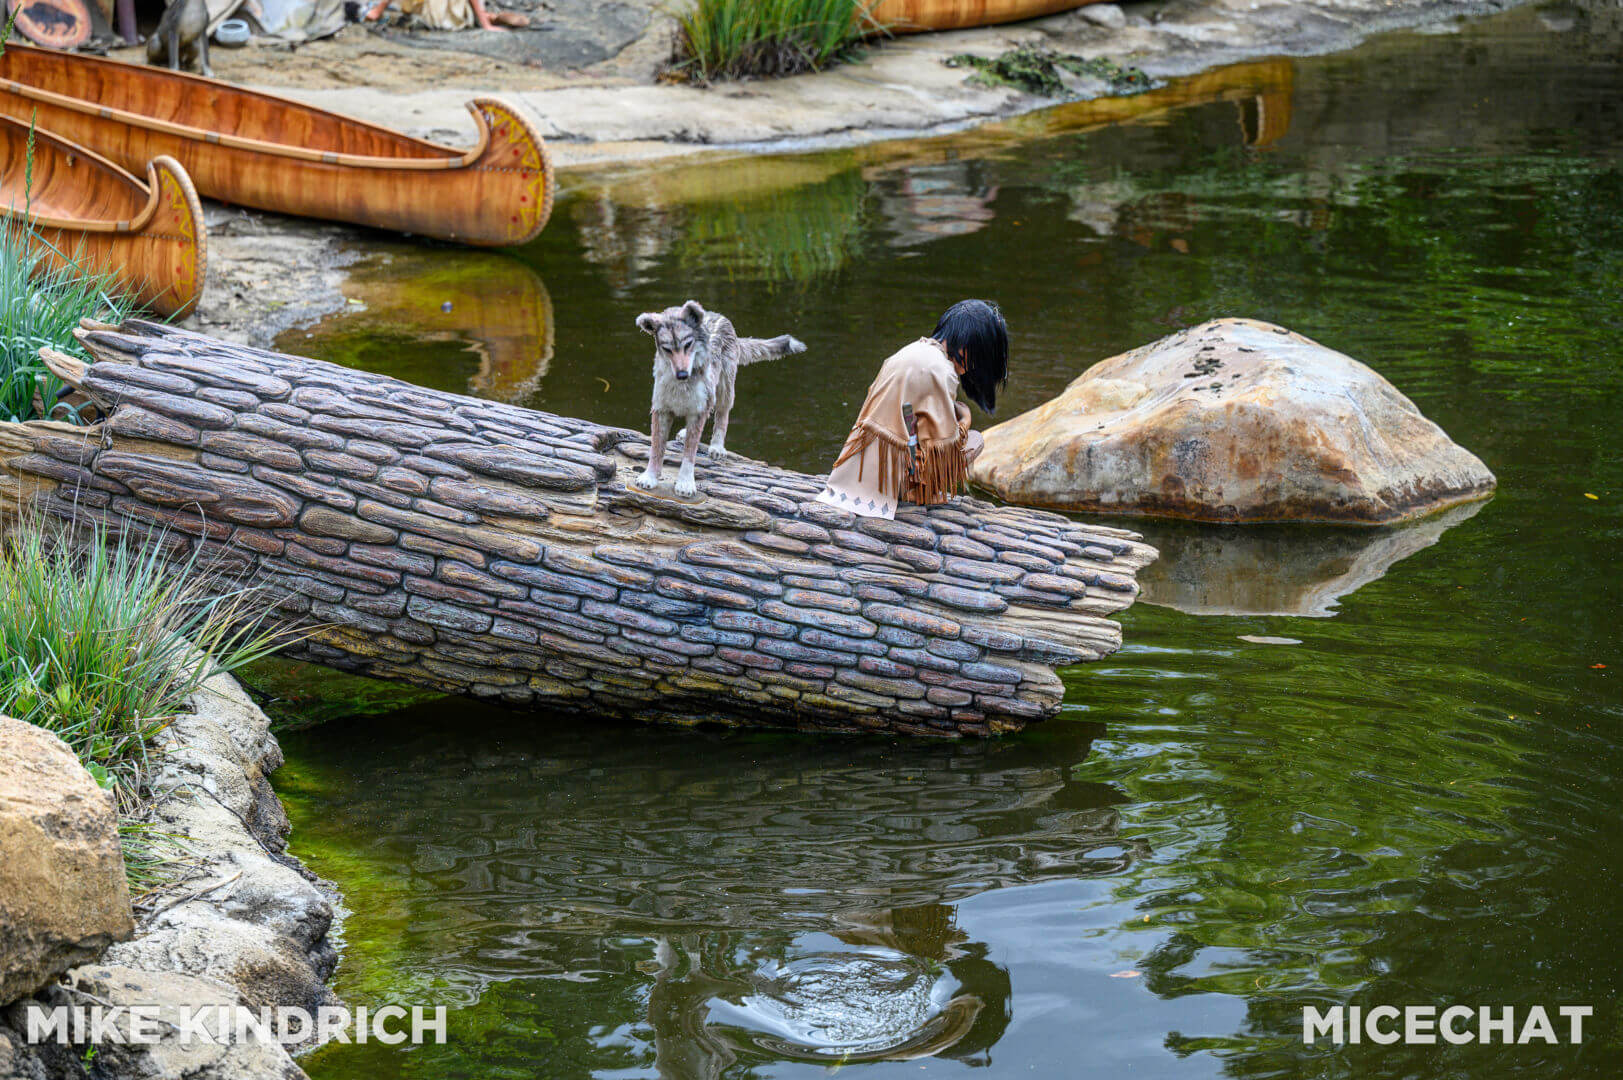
(572, 42)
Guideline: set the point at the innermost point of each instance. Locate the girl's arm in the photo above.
(971, 441)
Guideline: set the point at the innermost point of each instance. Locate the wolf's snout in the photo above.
(682, 373)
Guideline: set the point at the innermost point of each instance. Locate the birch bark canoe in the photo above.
(86, 210)
(921, 16)
(489, 550)
(273, 153)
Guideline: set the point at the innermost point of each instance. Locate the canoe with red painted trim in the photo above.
(273, 153)
(88, 211)
(920, 16)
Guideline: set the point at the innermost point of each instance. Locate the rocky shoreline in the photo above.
(247, 924)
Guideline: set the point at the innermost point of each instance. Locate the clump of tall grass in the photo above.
(41, 305)
(736, 39)
(102, 640)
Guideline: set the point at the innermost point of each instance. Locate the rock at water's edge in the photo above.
(1234, 420)
(63, 897)
(261, 926)
(167, 1051)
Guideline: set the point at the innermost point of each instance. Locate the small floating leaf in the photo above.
(1587, 495)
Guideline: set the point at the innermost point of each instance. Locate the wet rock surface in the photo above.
(63, 898)
(1234, 420)
(267, 273)
(850, 1005)
(612, 111)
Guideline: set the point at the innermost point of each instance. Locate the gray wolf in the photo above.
(182, 29)
(697, 354)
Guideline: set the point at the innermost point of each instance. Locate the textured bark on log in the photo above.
(486, 549)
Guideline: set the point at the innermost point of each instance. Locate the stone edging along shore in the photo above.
(247, 925)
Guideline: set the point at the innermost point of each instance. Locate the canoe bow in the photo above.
(508, 142)
(261, 150)
(159, 254)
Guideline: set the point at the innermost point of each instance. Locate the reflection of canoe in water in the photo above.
(489, 304)
(1261, 90)
(914, 16)
(273, 153)
(87, 210)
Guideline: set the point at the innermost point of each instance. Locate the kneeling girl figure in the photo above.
(969, 350)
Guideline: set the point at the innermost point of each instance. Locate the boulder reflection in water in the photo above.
(1277, 569)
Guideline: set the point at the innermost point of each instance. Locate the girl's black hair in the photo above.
(974, 333)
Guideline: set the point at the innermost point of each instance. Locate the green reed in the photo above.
(733, 39)
(40, 306)
(103, 639)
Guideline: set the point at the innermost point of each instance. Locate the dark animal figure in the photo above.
(182, 31)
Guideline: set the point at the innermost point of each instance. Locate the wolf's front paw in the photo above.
(685, 487)
(648, 480)
(717, 451)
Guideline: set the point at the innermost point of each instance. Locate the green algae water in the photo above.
(1414, 803)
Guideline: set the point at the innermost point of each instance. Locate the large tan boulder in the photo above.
(1234, 420)
(63, 897)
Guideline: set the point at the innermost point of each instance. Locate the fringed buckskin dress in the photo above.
(870, 475)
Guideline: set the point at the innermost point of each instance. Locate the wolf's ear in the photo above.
(693, 312)
(648, 322)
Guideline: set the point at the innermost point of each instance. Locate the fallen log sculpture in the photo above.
(485, 549)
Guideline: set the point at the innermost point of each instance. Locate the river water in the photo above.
(1414, 803)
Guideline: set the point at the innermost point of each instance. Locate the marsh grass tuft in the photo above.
(41, 306)
(103, 639)
(11, 24)
(737, 39)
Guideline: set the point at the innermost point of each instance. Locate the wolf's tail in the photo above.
(752, 350)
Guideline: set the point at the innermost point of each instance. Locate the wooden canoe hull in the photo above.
(87, 211)
(920, 16)
(272, 153)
